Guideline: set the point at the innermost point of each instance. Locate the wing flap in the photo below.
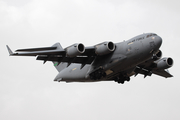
(59, 58)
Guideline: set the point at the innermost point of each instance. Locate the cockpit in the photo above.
(151, 35)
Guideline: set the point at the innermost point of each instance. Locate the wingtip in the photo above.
(9, 50)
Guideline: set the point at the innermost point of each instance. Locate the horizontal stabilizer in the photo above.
(36, 49)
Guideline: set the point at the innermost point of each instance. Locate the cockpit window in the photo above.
(151, 35)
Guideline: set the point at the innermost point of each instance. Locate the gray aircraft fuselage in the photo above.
(126, 56)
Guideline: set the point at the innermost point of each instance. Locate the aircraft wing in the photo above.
(56, 55)
(46, 51)
(164, 73)
(151, 67)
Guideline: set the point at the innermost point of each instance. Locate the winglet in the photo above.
(9, 50)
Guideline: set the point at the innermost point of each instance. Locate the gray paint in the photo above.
(27, 88)
(119, 64)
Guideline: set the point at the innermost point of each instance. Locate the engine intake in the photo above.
(157, 56)
(104, 48)
(75, 49)
(164, 63)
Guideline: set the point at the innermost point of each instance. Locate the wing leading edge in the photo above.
(36, 49)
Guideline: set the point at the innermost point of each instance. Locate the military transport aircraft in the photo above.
(106, 61)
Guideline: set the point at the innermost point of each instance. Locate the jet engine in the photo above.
(104, 48)
(75, 49)
(157, 56)
(164, 63)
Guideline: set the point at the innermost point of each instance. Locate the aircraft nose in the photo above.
(158, 41)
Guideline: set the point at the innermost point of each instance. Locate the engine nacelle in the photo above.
(164, 63)
(157, 56)
(75, 49)
(104, 48)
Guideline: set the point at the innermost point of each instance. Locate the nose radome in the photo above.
(158, 41)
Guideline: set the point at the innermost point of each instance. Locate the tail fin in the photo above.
(59, 66)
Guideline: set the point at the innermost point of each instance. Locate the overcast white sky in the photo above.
(27, 89)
